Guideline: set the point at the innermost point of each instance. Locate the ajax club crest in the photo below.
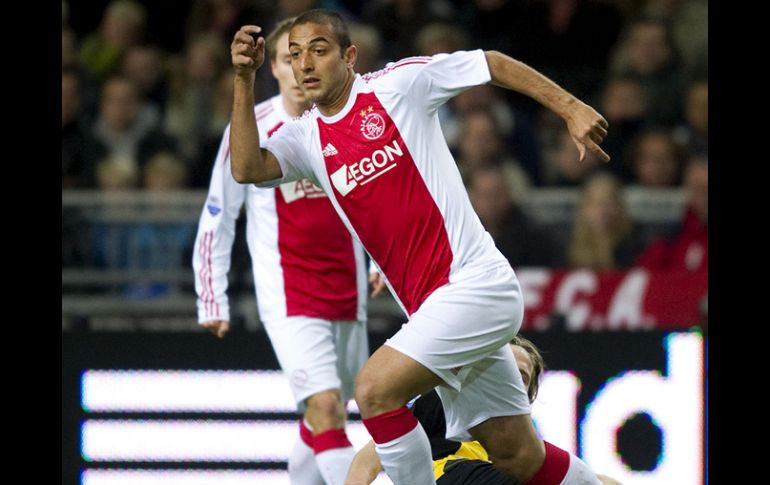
(372, 124)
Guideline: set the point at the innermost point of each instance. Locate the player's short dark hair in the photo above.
(329, 17)
(283, 27)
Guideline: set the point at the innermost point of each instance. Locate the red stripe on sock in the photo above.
(305, 434)
(389, 426)
(554, 467)
(330, 440)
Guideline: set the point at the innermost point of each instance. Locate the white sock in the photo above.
(333, 454)
(407, 459)
(334, 464)
(303, 469)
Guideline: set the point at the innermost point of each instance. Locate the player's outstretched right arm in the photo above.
(250, 163)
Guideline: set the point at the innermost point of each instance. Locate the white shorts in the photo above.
(317, 355)
(461, 333)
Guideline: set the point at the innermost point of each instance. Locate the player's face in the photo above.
(524, 363)
(319, 67)
(282, 72)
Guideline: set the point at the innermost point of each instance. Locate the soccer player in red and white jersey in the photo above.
(374, 144)
(310, 283)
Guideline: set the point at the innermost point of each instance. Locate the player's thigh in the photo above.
(389, 379)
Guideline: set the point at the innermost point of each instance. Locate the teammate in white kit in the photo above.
(309, 278)
(374, 144)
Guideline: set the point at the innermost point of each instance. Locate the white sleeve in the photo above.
(216, 233)
(288, 146)
(446, 76)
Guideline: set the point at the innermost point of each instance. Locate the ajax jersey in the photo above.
(386, 167)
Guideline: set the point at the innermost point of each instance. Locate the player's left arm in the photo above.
(587, 127)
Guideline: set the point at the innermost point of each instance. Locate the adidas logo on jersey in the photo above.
(348, 177)
(329, 150)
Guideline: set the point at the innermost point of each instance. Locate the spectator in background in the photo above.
(689, 26)
(219, 19)
(561, 166)
(116, 174)
(603, 237)
(647, 54)
(481, 143)
(369, 43)
(154, 244)
(164, 172)
(520, 240)
(484, 97)
(109, 237)
(440, 37)
(126, 127)
(122, 26)
(685, 246)
(513, 126)
(189, 113)
(144, 66)
(693, 135)
(222, 104)
(162, 243)
(625, 103)
(655, 159)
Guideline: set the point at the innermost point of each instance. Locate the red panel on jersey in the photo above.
(380, 189)
(319, 268)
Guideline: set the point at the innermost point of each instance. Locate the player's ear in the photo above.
(350, 56)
